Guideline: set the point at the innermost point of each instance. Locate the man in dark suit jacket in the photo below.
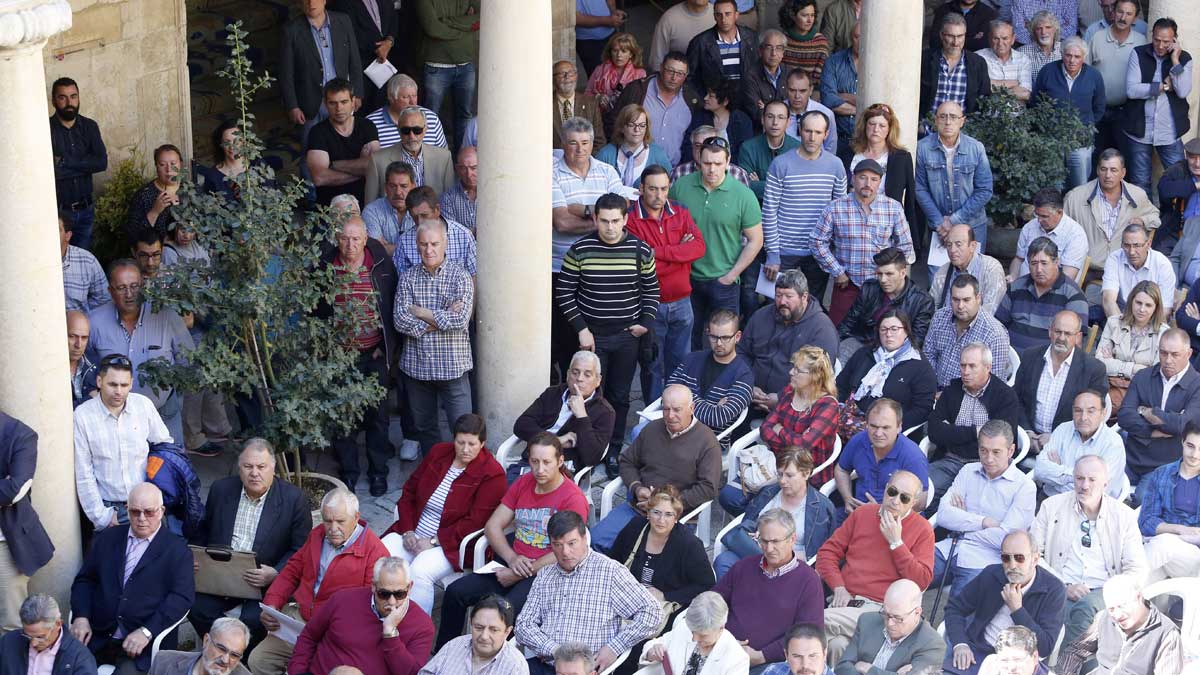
(1041, 409)
(136, 582)
(589, 418)
(759, 86)
(301, 76)
(1031, 596)
(955, 431)
(953, 33)
(25, 540)
(251, 512)
(375, 24)
(920, 645)
(1155, 431)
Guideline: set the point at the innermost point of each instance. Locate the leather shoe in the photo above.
(378, 487)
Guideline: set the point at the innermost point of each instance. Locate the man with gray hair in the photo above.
(221, 653)
(1008, 68)
(699, 135)
(42, 646)
(433, 165)
(1128, 635)
(574, 658)
(769, 82)
(402, 94)
(1040, 35)
(339, 553)
(1074, 84)
(378, 630)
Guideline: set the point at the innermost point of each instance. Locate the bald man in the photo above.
(676, 450)
(136, 582)
(83, 371)
(913, 643)
(1161, 401)
(368, 283)
(1014, 592)
(458, 203)
(876, 546)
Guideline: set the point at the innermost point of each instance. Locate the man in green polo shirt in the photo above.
(725, 211)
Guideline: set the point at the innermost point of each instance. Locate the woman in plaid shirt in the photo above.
(807, 413)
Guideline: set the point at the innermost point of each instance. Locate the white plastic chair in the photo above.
(613, 667)
(909, 432)
(737, 422)
(1023, 445)
(510, 451)
(653, 411)
(1015, 362)
(718, 547)
(154, 646)
(1187, 588)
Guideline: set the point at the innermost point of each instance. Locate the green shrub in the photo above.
(112, 208)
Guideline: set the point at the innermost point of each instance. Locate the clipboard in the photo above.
(220, 569)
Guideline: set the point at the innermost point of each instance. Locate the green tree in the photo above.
(258, 297)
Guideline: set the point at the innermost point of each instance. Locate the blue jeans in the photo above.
(605, 532)
(172, 415)
(733, 500)
(673, 331)
(1078, 615)
(461, 78)
(958, 578)
(81, 228)
(1079, 166)
(1139, 160)
(738, 545)
(709, 295)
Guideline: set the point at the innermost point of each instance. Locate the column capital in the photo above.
(25, 23)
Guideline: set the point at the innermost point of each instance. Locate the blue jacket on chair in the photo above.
(160, 591)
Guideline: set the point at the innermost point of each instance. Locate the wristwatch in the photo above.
(146, 632)
(587, 212)
(433, 542)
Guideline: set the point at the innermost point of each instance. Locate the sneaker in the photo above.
(410, 451)
(209, 449)
(378, 486)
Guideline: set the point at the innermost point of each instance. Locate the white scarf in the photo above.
(872, 383)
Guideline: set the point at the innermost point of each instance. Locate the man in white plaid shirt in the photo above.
(585, 597)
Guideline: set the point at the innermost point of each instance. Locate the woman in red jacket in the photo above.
(451, 494)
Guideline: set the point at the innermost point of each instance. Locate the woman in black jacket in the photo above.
(892, 368)
(877, 137)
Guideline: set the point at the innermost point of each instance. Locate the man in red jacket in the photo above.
(378, 630)
(340, 553)
(878, 544)
(668, 228)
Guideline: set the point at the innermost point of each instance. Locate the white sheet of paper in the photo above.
(651, 415)
(937, 253)
(289, 628)
(380, 73)
(764, 286)
(491, 568)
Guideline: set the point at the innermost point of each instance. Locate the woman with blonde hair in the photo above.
(877, 137)
(1130, 341)
(622, 64)
(807, 413)
(632, 148)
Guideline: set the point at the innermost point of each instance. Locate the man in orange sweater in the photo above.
(877, 545)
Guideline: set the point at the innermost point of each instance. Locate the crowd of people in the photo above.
(731, 224)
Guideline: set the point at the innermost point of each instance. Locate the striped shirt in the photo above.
(1049, 392)
(943, 344)
(357, 299)
(1028, 316)
(431, 515)
(111, 451)
(568, 188)
(245, 523)
(731, 56)
(847, 237)
(84, 283)
(608, 287)
(720, 405)
(797, 191)
(389, 130)
(441, 353)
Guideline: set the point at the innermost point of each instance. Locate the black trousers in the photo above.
(618, 361)
(469, 590)
(374, 423)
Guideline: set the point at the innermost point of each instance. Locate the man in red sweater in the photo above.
(378, 630)
(669, 229)
(877, 545)
(339, 553)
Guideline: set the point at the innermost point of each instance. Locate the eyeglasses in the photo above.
(131, 289)
(412, 131)
(896, 618)
(721, 339)
(715, 141)
(948, 117)
(890, 329)
(116, 360)
(1010, 557)
(143, 255)
(226, 651)
(636, 126)
(797, 371)
(384, 594)
(674, 71)
(893, 492)
(38, 638)
(1086, 528)
(655, 513)
(773, 48)
(135, 514)
(879, 107)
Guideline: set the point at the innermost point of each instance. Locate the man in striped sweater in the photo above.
(608, 292)
(720, 379)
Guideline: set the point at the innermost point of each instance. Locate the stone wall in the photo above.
(130, 60)
(563, 26)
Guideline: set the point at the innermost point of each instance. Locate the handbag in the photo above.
(851, 420)
(756, 469)
(668, 607)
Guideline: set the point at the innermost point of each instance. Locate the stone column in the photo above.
(33, 339)
(513, 301)
(1184, 13)
(889, 64)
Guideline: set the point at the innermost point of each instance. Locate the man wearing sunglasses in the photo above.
(221, 653)
(1012, 593)
(876, 546)
(433, 165)
(377, 630)
(1086, 538)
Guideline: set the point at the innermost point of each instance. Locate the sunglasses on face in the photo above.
(1010, 557)
(905, 498)
(411, 131)
(384, 594)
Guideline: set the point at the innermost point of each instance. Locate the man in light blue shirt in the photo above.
(1085, 434)
(987, 500)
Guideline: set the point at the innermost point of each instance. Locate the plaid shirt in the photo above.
(943, 344)
(856, 236)
(814, 430)
(599, 603)
(442, 353)
(455, 659)
(951, 83)
(245, 523)
(739, 174)
(84, 282)
(1037, 58)
(456, 205)
(460, 247)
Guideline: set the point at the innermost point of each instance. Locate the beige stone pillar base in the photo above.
(889, 66)
(34, 376)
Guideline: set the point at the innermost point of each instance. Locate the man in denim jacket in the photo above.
(954, 180)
